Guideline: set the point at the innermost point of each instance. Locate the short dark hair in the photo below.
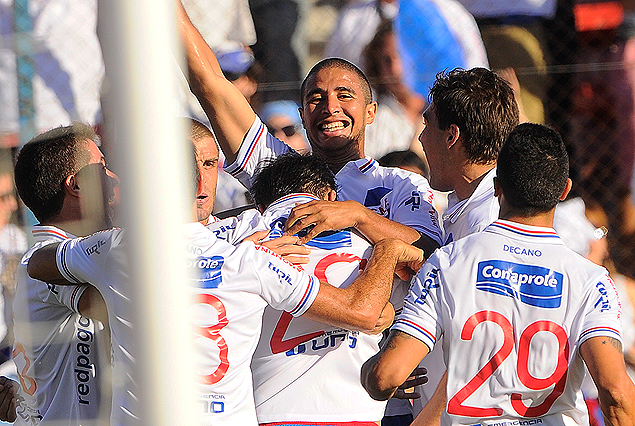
(44, 163)
(289, 174)
(403, 159)
(532, 170)
(345, 65)
(481, 104)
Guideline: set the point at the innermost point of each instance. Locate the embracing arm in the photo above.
(43, 266)
(229, 113)
(360, 305)
(332, 215)
(605, 362)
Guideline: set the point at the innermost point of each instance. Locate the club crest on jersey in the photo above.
(208, 271)
(531, 284)
(377, 200)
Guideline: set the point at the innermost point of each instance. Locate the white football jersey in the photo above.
(308, 371)
(396, 194)
(514, 305)
(234, 287)
(100, 259)
(60, 355)
(472, 215)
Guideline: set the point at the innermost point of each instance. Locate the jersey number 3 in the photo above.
(558, 377)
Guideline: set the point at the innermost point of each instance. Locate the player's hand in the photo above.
(406, 390)
(286, 247)
(410, 259)
(385, 320)
(323, 216)
(8, 399)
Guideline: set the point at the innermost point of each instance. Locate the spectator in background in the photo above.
(398, 121)
(278, 23)
(283, 121)
(13, 244)
(240, 67)
(437, 35)
(356, 25)
(514, 36)
(407, 160)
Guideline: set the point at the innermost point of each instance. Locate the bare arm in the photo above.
(360, 305)
(43, 266)
(430, 415)
(383, 373)
(605, 362)
(333, 215)
(229, 113)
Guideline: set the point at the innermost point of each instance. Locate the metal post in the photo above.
(139, 42)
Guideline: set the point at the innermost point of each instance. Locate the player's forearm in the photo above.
(618, 404)
(229, 113)
(359, 306)
(376, 228)
(377, 387)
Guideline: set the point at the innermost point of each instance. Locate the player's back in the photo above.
(60, 355)
(304, 370)
(515, 304)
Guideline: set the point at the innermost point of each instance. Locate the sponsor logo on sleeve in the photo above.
(376, 200)
(531, 284)
(208, 271)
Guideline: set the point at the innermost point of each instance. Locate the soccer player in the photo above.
(234, 285)
(207, 164)
(61, 353)
(470, 115)
(521, 314)
(336, 108)
(305, 371)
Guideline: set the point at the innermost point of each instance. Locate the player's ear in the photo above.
(497, 188)
(567, 188)
(332, 196)
(454, 135)
(371, 112)
(71, 186)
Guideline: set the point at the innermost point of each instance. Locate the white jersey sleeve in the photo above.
(258, 145)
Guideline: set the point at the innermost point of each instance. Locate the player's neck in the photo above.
(336, 161)
(471, 176)
(544, 220)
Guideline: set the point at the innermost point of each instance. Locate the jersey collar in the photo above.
(47, 233)
(485, 189)
(507, 227)
(365, 165)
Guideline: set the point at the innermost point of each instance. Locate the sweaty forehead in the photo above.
(206, 147)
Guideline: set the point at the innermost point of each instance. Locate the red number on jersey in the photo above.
(28, 383)
(213, 333)
(277, 342)
(557, 378)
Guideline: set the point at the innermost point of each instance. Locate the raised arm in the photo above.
(360, 305)
(229, 113)
(616, 392)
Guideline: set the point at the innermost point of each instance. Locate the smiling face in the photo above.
(207, 163)
(335, 114)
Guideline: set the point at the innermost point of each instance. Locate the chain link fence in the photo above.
(577, 76)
